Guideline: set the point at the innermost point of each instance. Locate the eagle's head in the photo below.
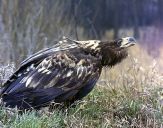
(115, 51)
(110, 52)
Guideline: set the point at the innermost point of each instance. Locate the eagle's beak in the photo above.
(127, 42)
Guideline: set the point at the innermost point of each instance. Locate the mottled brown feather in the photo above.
(64, 73)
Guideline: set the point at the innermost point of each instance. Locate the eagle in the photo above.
(64, 73)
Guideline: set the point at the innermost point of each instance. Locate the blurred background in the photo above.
(27, 26)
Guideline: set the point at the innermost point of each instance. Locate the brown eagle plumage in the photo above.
(63, 73)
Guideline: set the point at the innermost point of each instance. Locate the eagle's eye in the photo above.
(119, 42)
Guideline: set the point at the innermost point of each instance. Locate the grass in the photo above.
(127, 96)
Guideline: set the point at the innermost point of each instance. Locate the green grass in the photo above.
(30, 119)
(101, 109)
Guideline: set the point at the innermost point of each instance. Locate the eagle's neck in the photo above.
(90, 47)
(111, 57)
(107, 52)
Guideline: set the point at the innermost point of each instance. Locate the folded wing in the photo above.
(59, 76)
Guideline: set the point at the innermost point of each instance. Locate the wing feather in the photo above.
(57, 74)
(46, 52)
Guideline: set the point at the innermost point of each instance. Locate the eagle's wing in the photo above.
(46, 52)
(60, 74)
(35, 59)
